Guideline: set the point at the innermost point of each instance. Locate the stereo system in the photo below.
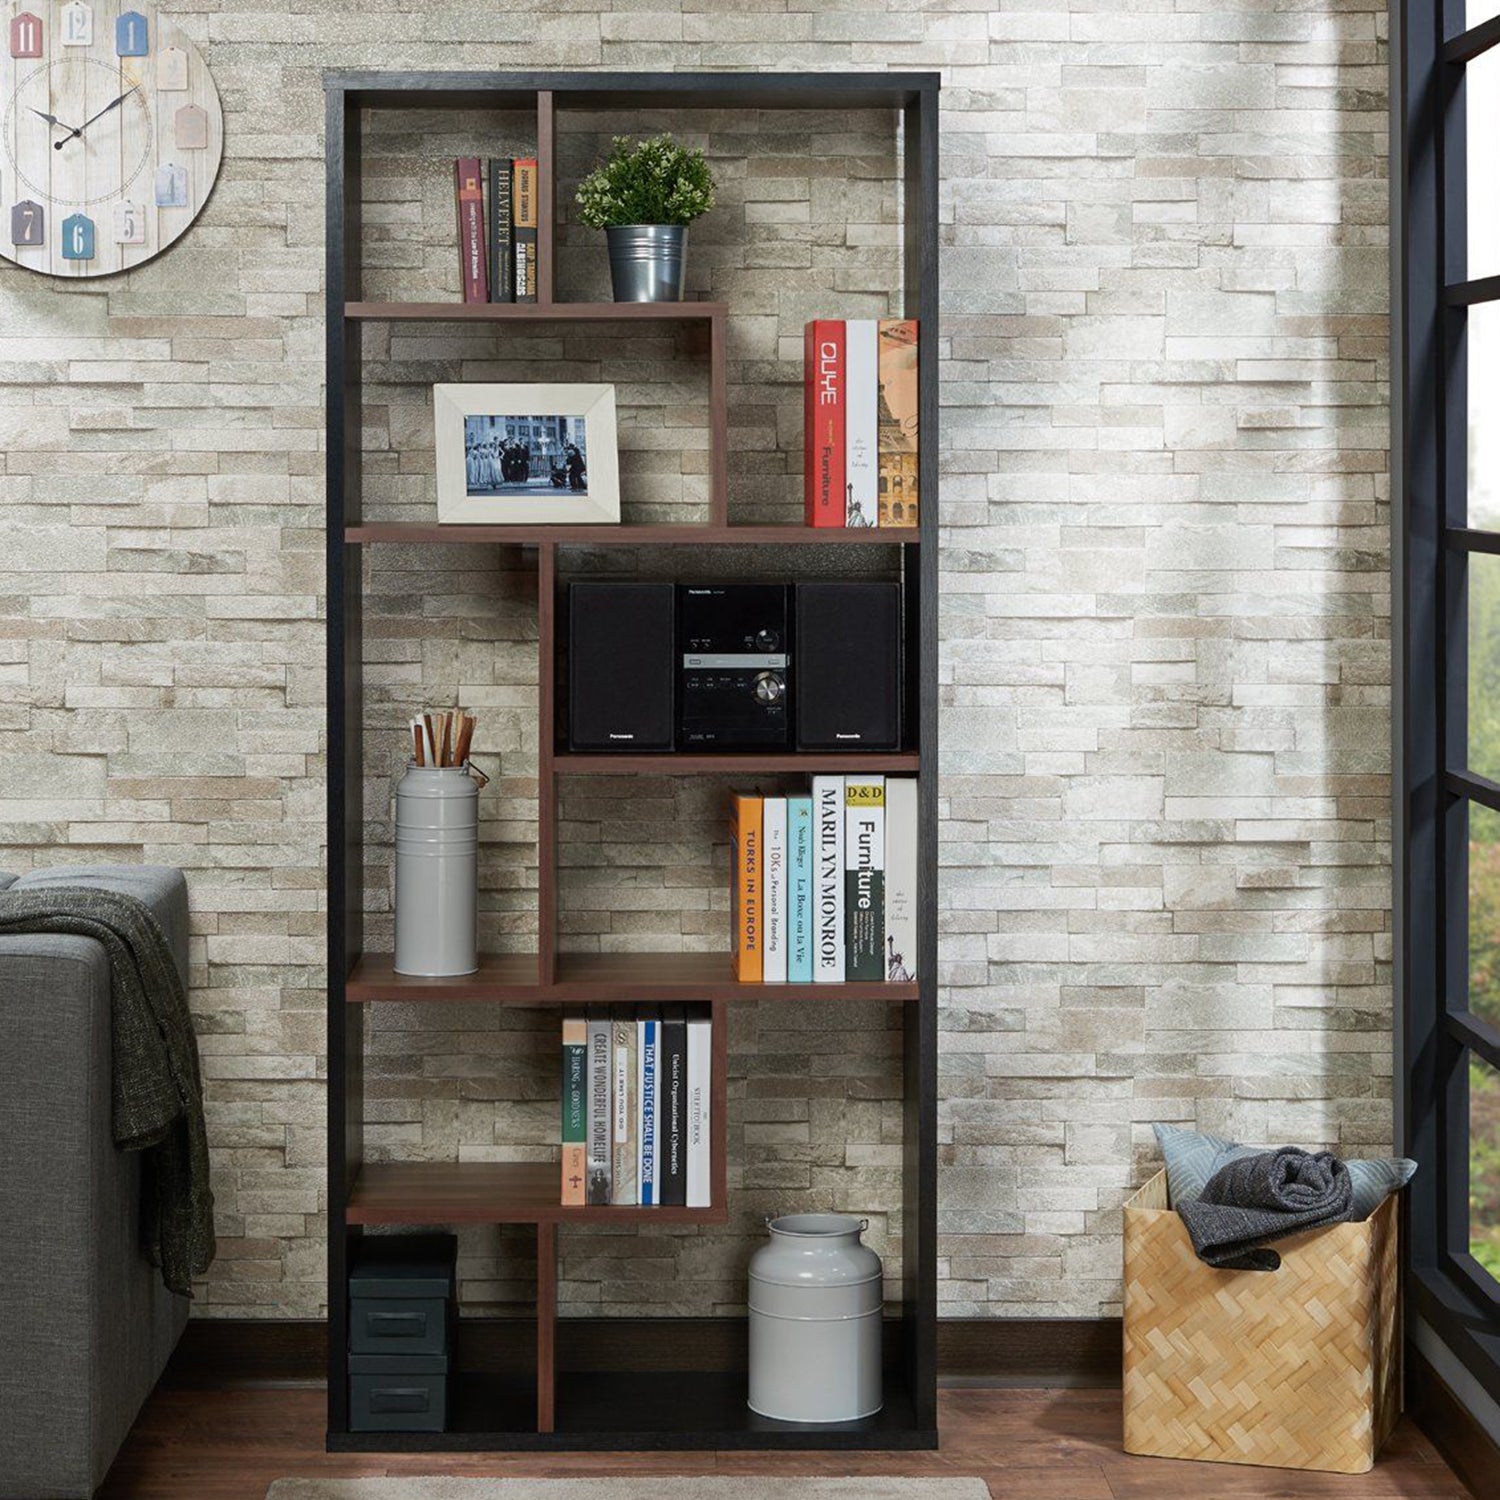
(661, 666)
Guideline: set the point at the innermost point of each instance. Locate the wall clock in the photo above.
(112, 135)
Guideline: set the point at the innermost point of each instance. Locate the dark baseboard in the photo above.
(1470, 1451)
(971, 1351)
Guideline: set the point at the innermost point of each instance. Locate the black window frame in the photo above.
(1433, 785)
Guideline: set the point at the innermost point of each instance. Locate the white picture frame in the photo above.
(538, 500)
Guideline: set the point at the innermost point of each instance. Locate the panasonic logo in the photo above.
(622, 736)
(839, 735)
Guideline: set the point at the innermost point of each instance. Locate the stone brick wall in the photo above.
(1165, 606)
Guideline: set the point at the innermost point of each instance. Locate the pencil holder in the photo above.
(437, 870)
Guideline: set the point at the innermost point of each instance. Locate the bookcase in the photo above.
(611, 1383)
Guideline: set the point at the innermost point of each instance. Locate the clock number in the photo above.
(26, 36)
(77, 25)
(191, 128)
(130, 223)
(28, 224)
(171, 69)
(78, 237)
(171, 186)
(131, 36)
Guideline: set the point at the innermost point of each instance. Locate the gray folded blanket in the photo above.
(1255, 1199)
(157, 1092)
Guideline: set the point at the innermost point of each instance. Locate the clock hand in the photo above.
(50, 119)
(113, 104)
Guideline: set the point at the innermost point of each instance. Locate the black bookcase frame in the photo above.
(670, 1401)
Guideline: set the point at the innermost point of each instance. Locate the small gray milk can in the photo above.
(437, 870)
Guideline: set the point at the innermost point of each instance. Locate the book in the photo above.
(502, 237)
(900, 879)
(864, 882)
(774, 906)
(823, 422)
(672, 1097)
(624, 1186)
(575, 1072)
(523, 221)
(897, 423)
(745, 868)
(648, 1032)
(469, 184)
(861, 443)
(828, 879)
(699, 1112)
(799, 886)
(598, 1110)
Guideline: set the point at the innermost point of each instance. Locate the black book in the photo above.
(502, 244)
(674, 1105)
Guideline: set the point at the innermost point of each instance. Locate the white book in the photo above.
(699, 1114)
(649, 1035)
(861, 413)
(901, 878)
(600, 1076)
(828, 879)
(774, 910)
(624, 1185)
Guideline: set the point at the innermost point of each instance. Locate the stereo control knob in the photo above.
(767, 640)
(769, 687)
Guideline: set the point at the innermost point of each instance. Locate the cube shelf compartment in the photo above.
(579, 1385)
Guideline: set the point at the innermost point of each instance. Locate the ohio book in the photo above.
(799, 860)
(774, 924)
(575, 1072)
(864, 883)
(599, 1115)
(898, 424)
(745, 863)
(699, 1111)
(828, 817)
(861, 449)
(823, 413)
(649, 1035)
(502, 235)
(624, 1184)
(469, 186)
(900, 879)
(524, 220)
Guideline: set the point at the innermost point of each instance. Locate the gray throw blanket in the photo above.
(157, 1091)
(1264, 1197)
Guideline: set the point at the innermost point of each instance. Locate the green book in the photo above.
(575, 1077)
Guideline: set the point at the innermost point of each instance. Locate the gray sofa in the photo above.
(85, 1322)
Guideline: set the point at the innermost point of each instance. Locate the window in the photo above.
(1446, 371)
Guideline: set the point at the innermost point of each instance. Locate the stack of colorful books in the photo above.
(497, 251)
(825, 885)
(860, 422)
(636, 1105)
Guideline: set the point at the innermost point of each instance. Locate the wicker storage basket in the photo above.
(1297, 1368)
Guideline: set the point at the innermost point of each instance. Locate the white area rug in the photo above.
(646, 1487)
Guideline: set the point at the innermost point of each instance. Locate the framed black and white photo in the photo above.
(526, 454)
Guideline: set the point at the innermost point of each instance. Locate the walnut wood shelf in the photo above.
(705, 534)
(482, 1192)
(559, 1403)
(534, 312)
(599, 978)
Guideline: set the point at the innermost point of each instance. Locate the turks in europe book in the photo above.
(864, 880)
(575, 1073)
(828, 879)
(745, 868)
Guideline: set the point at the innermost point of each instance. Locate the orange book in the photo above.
(745, 862)
(897, 423)
(575, 1077)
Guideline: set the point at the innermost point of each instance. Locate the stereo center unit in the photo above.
(734, 665)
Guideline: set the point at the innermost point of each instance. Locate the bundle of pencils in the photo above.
(442, 738)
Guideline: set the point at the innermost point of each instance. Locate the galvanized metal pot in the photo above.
(437, 870)
(646, 261)
(815, 1307)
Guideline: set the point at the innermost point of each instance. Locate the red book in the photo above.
(823, 421)
(471, 256)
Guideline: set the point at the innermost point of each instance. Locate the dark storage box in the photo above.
(401, 1294)
(398, 1392)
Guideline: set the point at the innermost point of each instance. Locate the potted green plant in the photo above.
(643, 196)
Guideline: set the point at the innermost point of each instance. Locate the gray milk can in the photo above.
(437, 870)
(815, 1308)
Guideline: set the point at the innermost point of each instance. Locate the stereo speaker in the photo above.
(621, 665)
(848, 655)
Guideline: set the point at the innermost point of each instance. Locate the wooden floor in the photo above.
(1028, 1445)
